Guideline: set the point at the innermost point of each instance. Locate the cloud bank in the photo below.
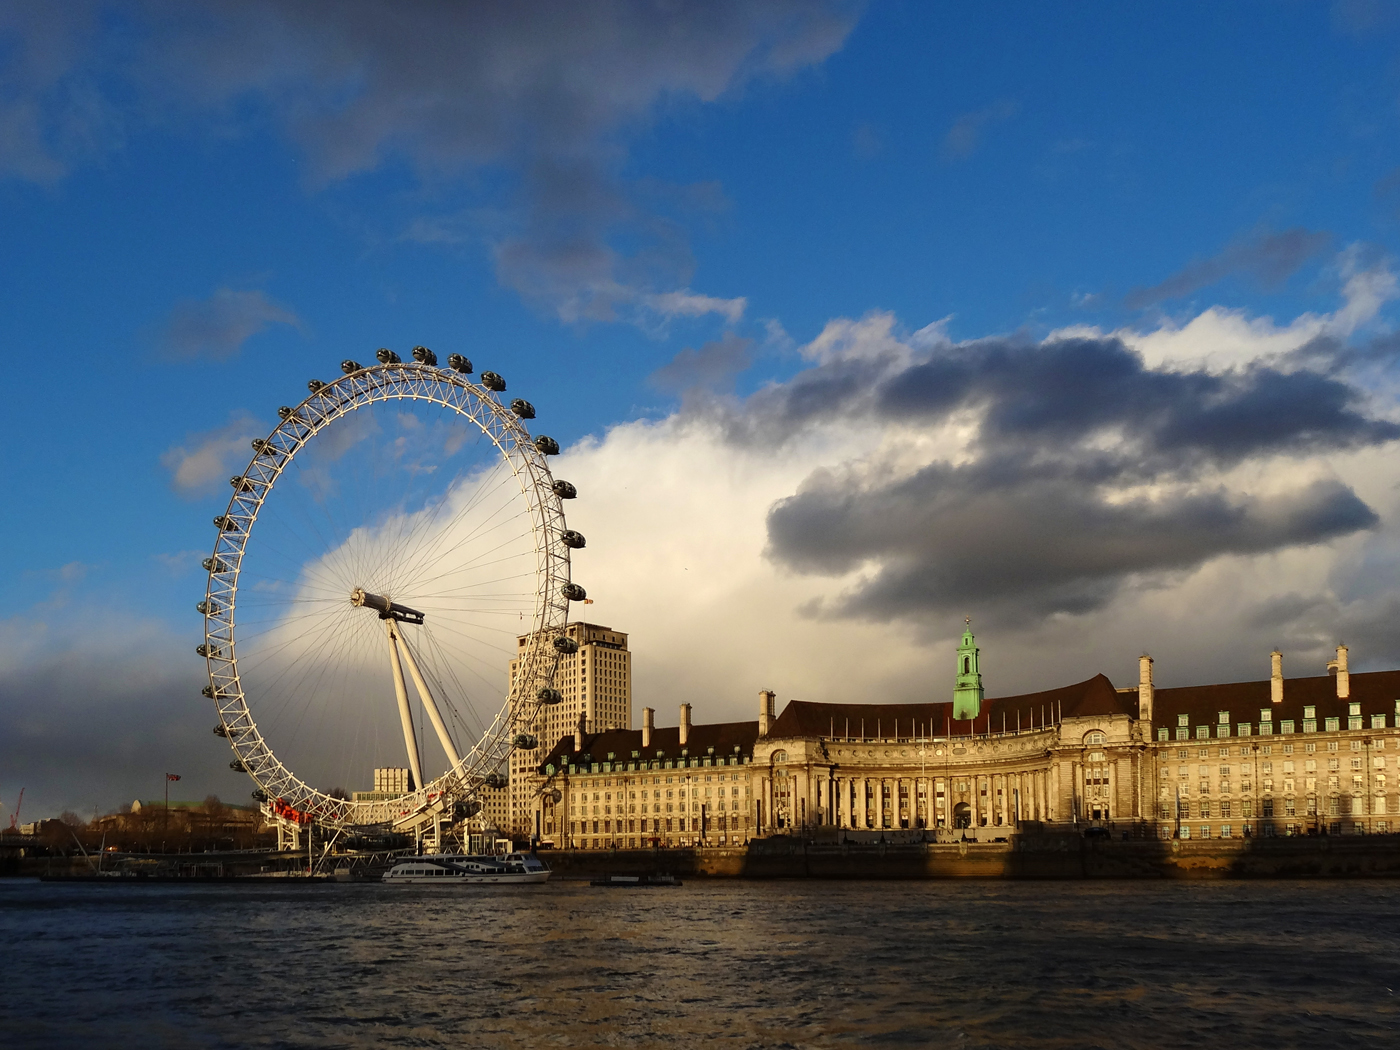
(1083, 500)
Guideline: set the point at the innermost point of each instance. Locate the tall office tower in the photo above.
(596, 682)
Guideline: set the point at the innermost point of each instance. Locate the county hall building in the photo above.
(1278, 756)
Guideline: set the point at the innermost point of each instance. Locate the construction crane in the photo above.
(15, 815)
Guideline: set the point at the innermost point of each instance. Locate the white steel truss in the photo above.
(463, 781)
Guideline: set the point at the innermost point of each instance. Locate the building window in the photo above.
(1225, 831)
(1242, 729)
(1309, 711)
(1267, 807)
(1378, 721)
(1162, 733)
(1333, 725)
(1202, 732)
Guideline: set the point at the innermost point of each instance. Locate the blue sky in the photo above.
(650, 220)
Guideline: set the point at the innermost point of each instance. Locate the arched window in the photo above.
(1094, 739)
(967, 665)
(779, 756)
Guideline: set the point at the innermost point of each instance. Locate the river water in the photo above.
(716, 964)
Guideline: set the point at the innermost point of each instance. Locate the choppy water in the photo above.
(719, 964)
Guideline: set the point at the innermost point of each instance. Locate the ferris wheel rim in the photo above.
(362, 388)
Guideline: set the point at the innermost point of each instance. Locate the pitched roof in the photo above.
(724, 737)
(1094, 696)
(1376, 692)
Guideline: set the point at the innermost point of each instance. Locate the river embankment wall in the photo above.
(1022, 857)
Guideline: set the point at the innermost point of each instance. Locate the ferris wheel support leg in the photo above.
(410, 741)
(433, 713)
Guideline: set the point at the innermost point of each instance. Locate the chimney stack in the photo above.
(648, 724)
(685, 724)
(1276, 677)
(1339, 668)
(765, 710)
(578, 732)
(1145, 689)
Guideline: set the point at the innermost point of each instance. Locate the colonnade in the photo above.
(825, 796)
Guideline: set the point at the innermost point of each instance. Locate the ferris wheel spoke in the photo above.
(403, 480)
(426, 530)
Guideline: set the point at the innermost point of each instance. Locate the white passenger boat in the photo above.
(450, 869)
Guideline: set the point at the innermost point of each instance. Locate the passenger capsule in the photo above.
(238, 766)
(491, 381)
(214, 565)
(385, 356)
(522, 408)
(564, 490)
(208, 608)
(202, 650)
(495, 780)
(221, 730)
(547, 695)
(315, 386)
(349, 367)
(458, 363)
(424, 356)
(285, 412)
(240, 483)
(547, 445)
(573, 592)
(567, 646)
(226, 523)
(259, 796)
(526, 741)
(570, 538)
(208, 692)
(556, 795)
(260, 446)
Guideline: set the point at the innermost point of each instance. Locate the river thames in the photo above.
(713, 963)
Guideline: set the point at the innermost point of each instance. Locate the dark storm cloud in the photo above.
(1087, 468)
(83, 730)
(543, 92)
(1270, 258)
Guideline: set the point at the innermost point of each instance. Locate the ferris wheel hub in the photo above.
(388, 610)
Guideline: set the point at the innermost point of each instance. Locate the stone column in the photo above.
(768, 821)
(1113, 790)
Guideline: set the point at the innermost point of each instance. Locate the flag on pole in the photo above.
(172, 776)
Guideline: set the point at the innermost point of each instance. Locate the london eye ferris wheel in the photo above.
(389, 588)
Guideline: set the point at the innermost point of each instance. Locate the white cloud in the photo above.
(1220, 338)
(675, 513)
(207, 458)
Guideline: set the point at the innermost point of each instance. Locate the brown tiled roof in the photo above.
(1096, 696)
(724, 737)
(1375, 691)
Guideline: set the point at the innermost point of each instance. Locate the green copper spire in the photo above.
(967, 695)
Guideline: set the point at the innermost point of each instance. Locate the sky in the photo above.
(853, 321)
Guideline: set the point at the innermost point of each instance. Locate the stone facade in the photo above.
(596, 685)
(1275, 757)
